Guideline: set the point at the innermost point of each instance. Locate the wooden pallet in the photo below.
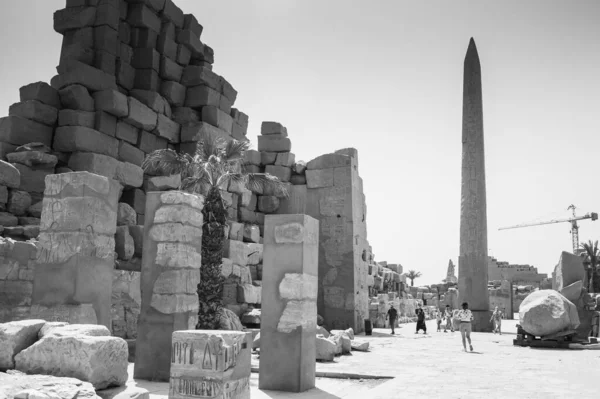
(526, 339)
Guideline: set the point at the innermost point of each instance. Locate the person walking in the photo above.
(421, 320)
(465, 317)
(438, 318)
(392, 314)
(448, 317)
(497, 316)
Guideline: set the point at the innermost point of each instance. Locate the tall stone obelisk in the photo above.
(473, 257)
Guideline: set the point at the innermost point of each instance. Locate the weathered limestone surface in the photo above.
(76, 254)
(289, 309)
(17, 265)
(569, 270)
(44, 386)
(100, 360)
(211, 364)
(473, 257)
(14, 337)
(170, 274)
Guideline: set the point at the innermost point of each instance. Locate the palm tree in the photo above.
(591, 259)
(412, 275)
(215, 165)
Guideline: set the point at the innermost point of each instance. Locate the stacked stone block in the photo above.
(170, 275)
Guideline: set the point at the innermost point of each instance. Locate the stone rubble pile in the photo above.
(85, 352)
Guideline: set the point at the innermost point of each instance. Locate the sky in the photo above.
(385, 77)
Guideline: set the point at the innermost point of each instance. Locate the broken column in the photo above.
(170, 275)
(289, 309)
(210, 364)
(76, 248)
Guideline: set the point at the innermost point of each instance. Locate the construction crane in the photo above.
(574, 226)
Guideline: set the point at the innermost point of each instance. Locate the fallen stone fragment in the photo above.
(33, 159)
(22, 386)
(360, 346)
(15, 336)
(325, 349)
(73, 330)
(102, 361)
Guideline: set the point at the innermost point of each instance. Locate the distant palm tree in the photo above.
(591, 259)
(412, 275)
(215, 165)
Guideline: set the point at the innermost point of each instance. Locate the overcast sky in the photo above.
(385, 77)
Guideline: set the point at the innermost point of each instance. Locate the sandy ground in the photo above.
(435, 366)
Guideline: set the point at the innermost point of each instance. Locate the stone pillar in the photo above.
(76, 248)
(473, 256)
(170, 275)
(289, 307)
(210, 364)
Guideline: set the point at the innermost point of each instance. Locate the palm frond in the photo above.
(165, 162)
(234, 150)
(209, 144)
(229, 178)
(264, 182)
(199, 183)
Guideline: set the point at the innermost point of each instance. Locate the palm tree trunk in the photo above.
(210, 289)
(412, 282)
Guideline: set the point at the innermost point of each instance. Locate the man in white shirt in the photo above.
(465, 317)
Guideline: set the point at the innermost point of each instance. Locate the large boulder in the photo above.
(325, 349)
(573, 291)
(22, 386)
(362, 346)
(342, 340)
(16, 336)
(547, 312)
(102, 361)
(569, 270)
(322, 331)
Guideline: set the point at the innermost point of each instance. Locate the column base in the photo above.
(481, 321)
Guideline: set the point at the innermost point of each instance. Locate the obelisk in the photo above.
(473, 257)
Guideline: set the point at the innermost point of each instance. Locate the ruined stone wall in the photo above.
(501, 295)
(133, 77)
(498, 271)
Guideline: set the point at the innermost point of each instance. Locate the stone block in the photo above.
(194, 75)
(184, 55)
(35, 111)
(268, 158)
(140, 115)
(9, 175)
(252, 157)
(167, 46)
(174, 93)
(192, 42)
(42, 92)
(248, 216)
(79, 138)
(75, 72)
(227, 90)
(106, 39)
(200, 96)
(247, 293)
(267, 204)
(126, 215)
(283, 173)
(236, 231)
(108, 14)
(286, 159)
(195, 131)
(150, 142)
(15, 337)
(146, 79)
(204, 362)
(19, 131)
(140, 16)
(131, 154)
(167, 128)
(274, 143)
(162, 183)
(319, 178)
(191, 23)
(125, 74)
(69, 117)
(217, 117)
(76, 97)
(8, 219)
(32, 179)
(102, 361)
(289, 309)
(298, 180)
(124, 245)
(113, 102)
(146, 58)
(185, 115)
(251, 233)
(569, 270)
(106, 62)
(268, 128)
(173, 14)
(328, 161)
(170, 70)
(18, 202)
(74, 18)
(152, 99)
(127, 132)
